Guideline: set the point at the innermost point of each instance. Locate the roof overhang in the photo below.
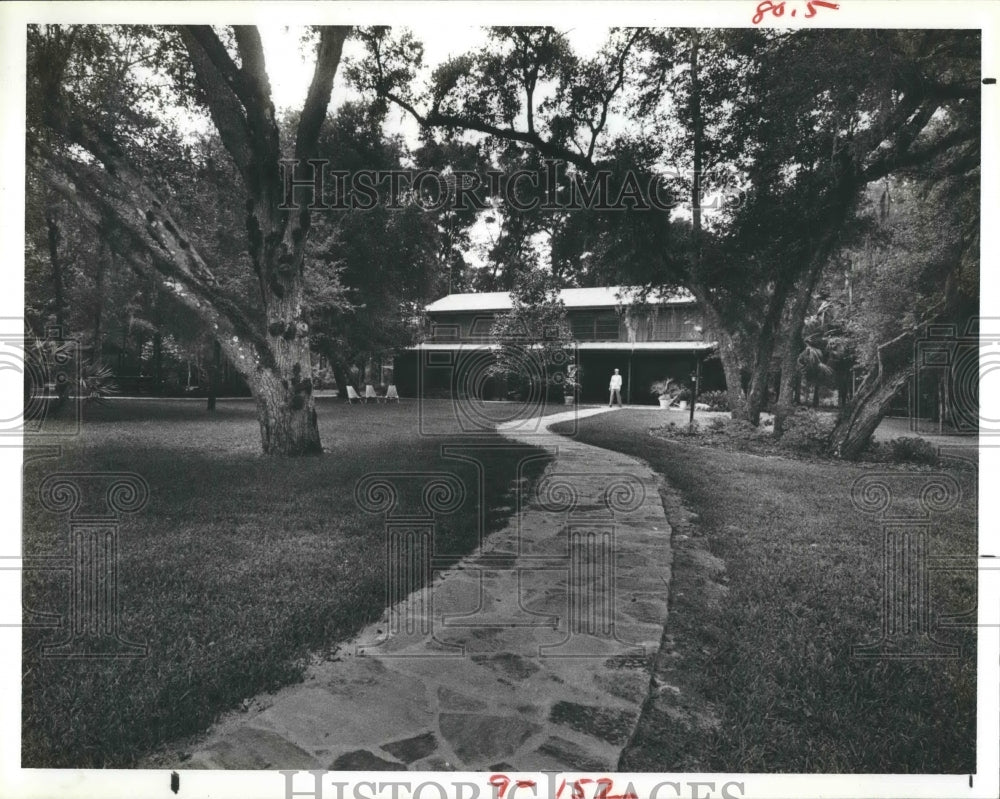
(574, 299)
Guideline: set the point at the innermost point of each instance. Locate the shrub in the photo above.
(741, 429)
(911, 449)
(717, 424)
(673, 429)
(715, 400)
(807, 431)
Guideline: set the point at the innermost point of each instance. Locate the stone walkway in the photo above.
(532, 653)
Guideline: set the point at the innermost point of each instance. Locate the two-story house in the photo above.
(659, 338)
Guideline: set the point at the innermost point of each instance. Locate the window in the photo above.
(606, 326)
(481, 327)
(676, 324)
(582, 325)
(440, 332)
(590, 326)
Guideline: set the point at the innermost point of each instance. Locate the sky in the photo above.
(290, 68)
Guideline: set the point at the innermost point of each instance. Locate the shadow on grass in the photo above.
(236, 572)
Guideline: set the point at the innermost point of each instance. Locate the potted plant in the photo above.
(666, 391)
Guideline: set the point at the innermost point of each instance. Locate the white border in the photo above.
(724, 13)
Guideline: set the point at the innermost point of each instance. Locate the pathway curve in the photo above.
(532, 653)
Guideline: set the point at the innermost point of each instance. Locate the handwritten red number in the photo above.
(821, 4)
(500, 781)
(767, 5)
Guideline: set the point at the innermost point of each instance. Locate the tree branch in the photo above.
(597, 129)
(328, 53)
(125, 203)
(917, 157)
(224, 91)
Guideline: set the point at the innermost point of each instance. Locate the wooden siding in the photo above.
(672, 323)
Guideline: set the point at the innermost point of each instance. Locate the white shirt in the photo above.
(616, 382)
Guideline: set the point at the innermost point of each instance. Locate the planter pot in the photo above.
(682, 405)
(664, 402)
(570, 399)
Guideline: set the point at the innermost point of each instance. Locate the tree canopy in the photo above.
(741, 164)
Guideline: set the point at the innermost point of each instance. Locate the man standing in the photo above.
(616, 389)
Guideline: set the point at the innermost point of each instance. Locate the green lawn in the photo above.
(238, 568)
(776, 576)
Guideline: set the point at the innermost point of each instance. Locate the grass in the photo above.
(239, 569)
(776, 575)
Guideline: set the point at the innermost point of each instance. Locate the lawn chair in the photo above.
(370, 393)
(391, 394)
(352, 396)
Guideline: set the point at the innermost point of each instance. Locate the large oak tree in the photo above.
(101, 163)
(805, 119)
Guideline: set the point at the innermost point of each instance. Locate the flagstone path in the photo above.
(533, 653)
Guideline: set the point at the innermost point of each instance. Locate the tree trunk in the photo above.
(728, 356)
(871, 403)
(714, 322)
(791, 381)
(287, 416)
(140, 345)
(215, 376)
(734, 378)
(97, 350)
(873, 398)
(340, 378)
(58, 278)
(843, 386)
(275, 361)
(713, 319)
(158, 362)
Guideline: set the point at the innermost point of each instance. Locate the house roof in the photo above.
(602, 297)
